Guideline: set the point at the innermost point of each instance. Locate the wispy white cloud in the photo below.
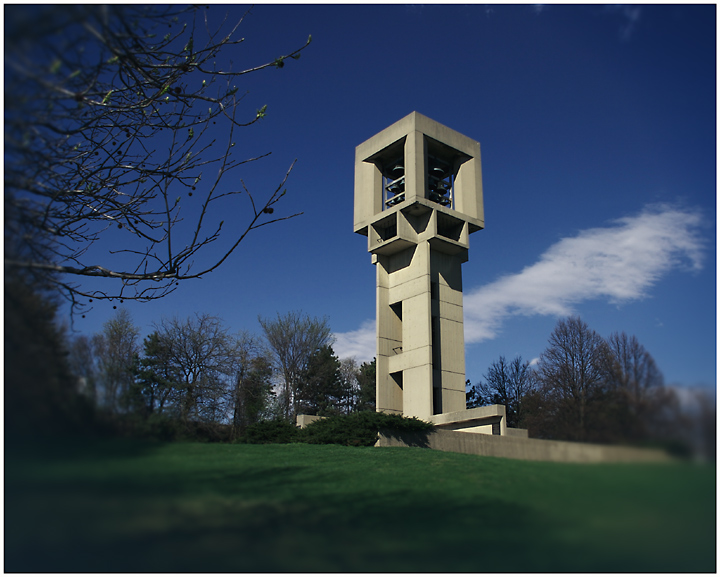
(619, 263)
(630, 16)
(359, 344)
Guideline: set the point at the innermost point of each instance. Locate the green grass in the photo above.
(133, 507)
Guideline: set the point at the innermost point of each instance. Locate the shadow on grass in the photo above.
(284, 509)
(65, 448)
(113, 531)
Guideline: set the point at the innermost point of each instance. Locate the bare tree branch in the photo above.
(114, 118)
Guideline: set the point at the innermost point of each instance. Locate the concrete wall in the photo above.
(303, 421)
(512, 447)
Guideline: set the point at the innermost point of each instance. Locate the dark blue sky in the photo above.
(598, 134)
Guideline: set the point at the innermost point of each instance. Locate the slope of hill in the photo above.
(133, 507)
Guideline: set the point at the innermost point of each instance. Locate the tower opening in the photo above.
(437, 400)
(436, 365)
(397, 379)
(390, 162)
(440, 181)
(394, 182)
(397, 336)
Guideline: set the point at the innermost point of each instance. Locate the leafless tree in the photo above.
(83, 364)
(634, 376)
(116, 350)
(120, 130)
(293, 338)
(506, 383)
(203, 356)
(634, 370)
(571, 379)
(350, 384)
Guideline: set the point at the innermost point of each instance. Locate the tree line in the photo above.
(588, 388)
(195, 372)
(190, 378)
(194, 378)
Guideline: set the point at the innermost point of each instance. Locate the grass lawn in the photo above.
(134, 507)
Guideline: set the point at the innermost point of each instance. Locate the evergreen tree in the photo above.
(156, 385)
(253, 390)
(367, 383)
(320, 389)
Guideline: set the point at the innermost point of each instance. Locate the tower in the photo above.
(418, 197)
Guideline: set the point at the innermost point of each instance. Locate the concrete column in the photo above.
(389, 392)
(415, 162)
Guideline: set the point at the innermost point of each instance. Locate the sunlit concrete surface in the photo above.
(418, 197)
(303, 421)
(490, 420)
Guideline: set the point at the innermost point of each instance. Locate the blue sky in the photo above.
(598, 134)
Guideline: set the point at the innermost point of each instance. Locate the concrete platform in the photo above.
(489, 420)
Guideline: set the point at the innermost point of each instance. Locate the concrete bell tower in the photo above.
(418, 197)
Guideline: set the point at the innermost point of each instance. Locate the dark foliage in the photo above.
(319, 391)
(361, 429)
(366, 383)
(164, 428)
(277, 431)
(41, 395)
(155, 378)
(253, 390)
(354, 430)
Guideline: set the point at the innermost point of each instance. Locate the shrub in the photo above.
(153, 428)
(678, 448)
(161, 428)
(355, 429)
(361, 429)
(277, 431)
